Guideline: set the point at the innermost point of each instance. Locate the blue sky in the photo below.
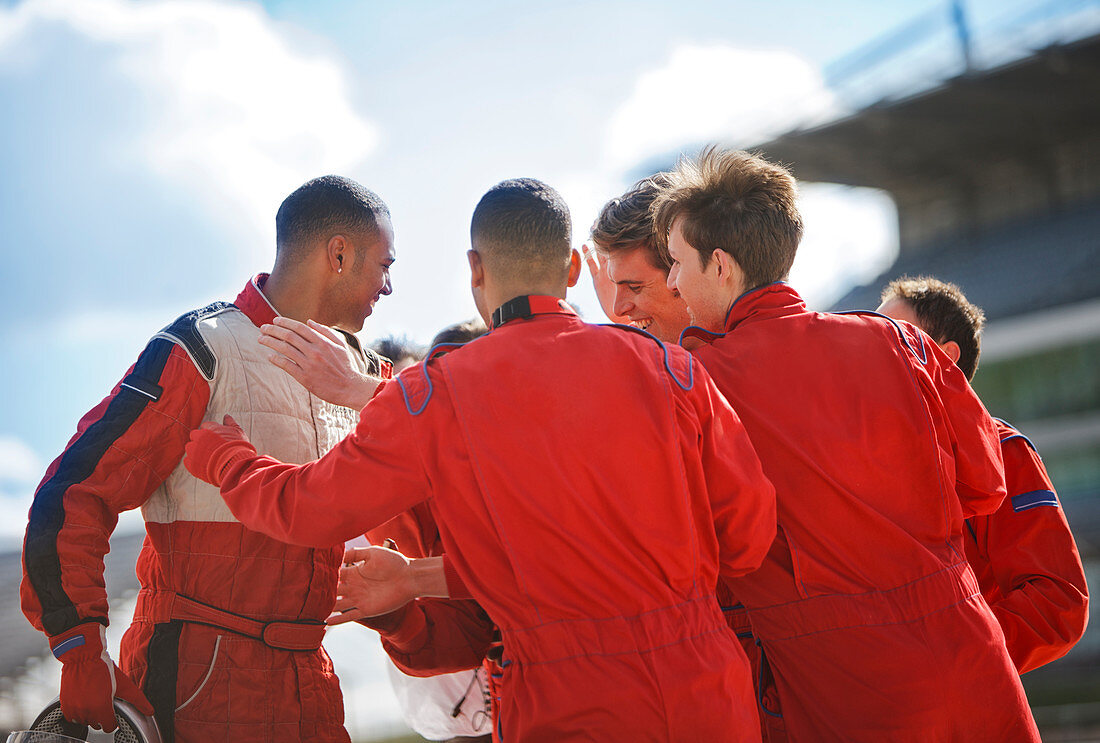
(145, 146)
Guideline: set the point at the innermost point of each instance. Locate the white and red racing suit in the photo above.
(226, 637)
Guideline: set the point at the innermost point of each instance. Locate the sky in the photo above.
(145, 147)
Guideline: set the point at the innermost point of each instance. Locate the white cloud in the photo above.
(706, 93)
(20, 466)
(851, 236)
(741, 98)
(586, 193)
(20, 470)
(236, 111)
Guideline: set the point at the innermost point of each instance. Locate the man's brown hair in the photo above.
(944, 313)
(737, 202)
(626, 223)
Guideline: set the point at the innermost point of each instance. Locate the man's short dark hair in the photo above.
(460, 332)
(944, 313)
(324, 207)
(397, 347)
(522, 230)
(626, 223)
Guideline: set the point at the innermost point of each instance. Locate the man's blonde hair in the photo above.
(737, 202)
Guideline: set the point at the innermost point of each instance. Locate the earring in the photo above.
(339, 270)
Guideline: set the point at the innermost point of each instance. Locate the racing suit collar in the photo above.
(769, 300)
(529, 305)
(252, 302)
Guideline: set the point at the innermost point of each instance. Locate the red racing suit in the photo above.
(471, 634)
(1027, 563)
(205, 579)
(598, 561)
(772, 727)
(865, 609)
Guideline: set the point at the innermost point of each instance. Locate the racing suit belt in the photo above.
(163, 606)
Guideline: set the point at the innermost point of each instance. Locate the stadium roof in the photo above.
(1016, 269)
(978, 116)
(1044, 254)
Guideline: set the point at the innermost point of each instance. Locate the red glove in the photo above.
(214, 447)
(90, 680)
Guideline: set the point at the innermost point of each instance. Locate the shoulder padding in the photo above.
(416, 384)
(919, 350)
(679, 363)
(1014, 433)
(185, 332)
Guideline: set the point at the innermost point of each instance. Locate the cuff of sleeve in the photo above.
(79, 643)
(456, 588)
(386, 624)
(229, 472)
(407, 634)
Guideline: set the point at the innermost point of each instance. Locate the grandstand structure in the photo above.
(995, 172)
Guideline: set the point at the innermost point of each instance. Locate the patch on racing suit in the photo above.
(1035, 498)
(185, 332)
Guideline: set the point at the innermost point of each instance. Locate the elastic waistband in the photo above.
(906, 603)
(574, 638)
(164, 606)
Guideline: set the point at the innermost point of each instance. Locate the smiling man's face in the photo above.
(641, 294)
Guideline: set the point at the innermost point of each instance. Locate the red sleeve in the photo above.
(742, 498)
(456, 587)
(123, 450)
(416, 535)
(368, 478)
(414, 532)
(976, 444)
(432, 636)
(1044, 605)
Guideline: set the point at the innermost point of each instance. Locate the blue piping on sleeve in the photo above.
(436, 350)
(922, 355)
(686, 386)
(1015, 434)
(1021, 436)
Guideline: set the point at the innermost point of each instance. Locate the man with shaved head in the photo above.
(594, 545)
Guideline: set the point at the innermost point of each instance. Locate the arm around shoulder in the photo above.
(365, 480)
